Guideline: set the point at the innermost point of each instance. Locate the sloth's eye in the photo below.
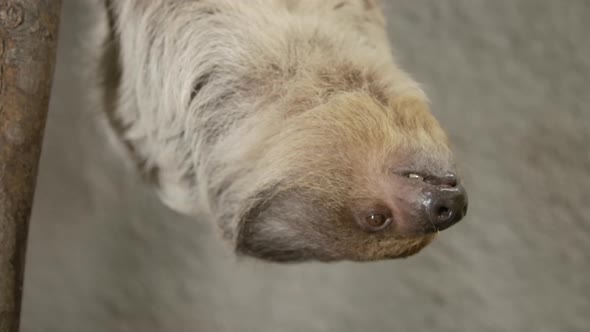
(375, 221)
(374, 218)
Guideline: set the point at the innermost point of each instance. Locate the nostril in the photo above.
(444, 214)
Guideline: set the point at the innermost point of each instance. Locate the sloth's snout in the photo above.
(445, 201)
(446, 207)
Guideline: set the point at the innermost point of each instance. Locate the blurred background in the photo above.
(510, 80)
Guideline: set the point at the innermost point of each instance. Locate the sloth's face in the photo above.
(361, 181)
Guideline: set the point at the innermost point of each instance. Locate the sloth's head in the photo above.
(352, 179)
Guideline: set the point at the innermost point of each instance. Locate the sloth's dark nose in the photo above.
(447, 201)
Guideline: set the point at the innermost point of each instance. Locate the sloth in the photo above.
(287, 123)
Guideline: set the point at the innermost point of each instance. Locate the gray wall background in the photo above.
(510, 81)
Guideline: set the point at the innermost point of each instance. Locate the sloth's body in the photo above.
(286, 121)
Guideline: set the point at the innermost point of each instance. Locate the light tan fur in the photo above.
(230, 104)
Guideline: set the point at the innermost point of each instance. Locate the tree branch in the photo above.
(28, 38)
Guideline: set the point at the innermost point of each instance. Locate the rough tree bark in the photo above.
(28, 38)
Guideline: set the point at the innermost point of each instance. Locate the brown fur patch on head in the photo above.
(352, 137)
(370, 4)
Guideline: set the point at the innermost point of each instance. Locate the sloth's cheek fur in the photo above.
(295, 227)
